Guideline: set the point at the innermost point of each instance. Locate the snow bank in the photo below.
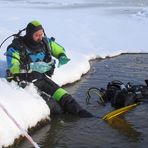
(27, 109)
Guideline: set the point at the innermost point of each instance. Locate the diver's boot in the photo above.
(70, 105)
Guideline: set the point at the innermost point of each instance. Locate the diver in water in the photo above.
(29, 60)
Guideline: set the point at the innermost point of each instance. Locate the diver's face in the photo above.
(38, 35)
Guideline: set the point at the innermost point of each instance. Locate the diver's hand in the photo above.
(63, 60)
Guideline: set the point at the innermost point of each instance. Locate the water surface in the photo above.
(131, 130)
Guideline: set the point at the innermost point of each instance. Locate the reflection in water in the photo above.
(57, 125)
(39, 136)
(125, 128)
(48, 136)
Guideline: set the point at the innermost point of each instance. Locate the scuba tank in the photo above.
(9, 76)
(13, 35)
(119, 94)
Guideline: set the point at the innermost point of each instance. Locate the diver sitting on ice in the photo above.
(120, 95)
(29, 60)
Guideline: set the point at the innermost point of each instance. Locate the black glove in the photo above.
(51, 71)
(22, 84)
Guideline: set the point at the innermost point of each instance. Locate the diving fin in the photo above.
(118, 112)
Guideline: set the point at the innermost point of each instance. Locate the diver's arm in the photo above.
(13, 60)
(58, 52)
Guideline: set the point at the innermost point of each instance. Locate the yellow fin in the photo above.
(117, 112)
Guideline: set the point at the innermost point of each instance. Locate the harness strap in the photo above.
(47, 50)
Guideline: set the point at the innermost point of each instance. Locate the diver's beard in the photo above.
(38, 41)
(32, 45)
(30, 40)
(33, 42)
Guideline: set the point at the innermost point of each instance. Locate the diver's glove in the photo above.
(40, 67)
(63, 60)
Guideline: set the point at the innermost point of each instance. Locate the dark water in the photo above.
(129, 131)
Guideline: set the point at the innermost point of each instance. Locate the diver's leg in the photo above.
(65, 100)
(55, 108)
(70, 105)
